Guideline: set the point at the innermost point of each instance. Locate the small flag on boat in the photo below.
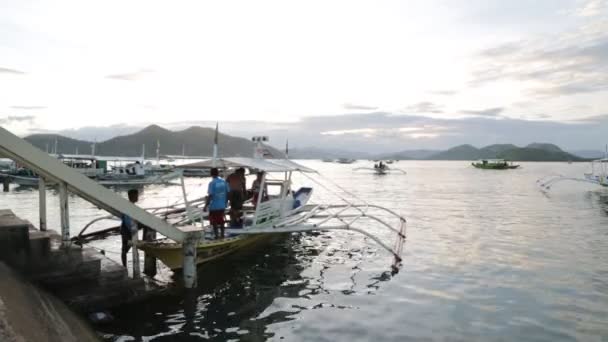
(216, 133)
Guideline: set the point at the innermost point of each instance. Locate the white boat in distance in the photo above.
(345, 161)
(96, 167)
(380, 169)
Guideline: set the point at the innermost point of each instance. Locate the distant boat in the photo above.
(494, 164)
(327, 160)
(345, 161)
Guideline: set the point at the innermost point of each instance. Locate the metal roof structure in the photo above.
(267, 165)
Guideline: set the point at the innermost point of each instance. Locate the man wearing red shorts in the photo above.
(216, 202)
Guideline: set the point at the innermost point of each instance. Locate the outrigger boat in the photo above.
(380, 169)
(285, 211)
(282, 211)
(598, 176)
(494, 164)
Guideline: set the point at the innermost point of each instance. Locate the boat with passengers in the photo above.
(494, 164)
(286, 209)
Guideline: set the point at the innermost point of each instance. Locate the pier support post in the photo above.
(6, 183)
(149, 260)
(189, 267)
(136, 267)
(65, 214)
(42, 202)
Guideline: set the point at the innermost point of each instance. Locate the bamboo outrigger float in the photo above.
(597, 176)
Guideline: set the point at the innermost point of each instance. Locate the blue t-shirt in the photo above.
(125, 225)
(218, 190)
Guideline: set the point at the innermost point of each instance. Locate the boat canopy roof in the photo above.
(267, 165)
(493, 160)
(179, 156)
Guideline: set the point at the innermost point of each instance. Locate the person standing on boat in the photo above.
(236, 197)
(216, 202)
(128, 227)
(255, 188)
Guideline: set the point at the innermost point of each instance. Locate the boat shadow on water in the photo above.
(231, 296)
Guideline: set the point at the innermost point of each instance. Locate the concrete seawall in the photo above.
(28, 313)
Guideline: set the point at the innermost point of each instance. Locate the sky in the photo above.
(361, 75)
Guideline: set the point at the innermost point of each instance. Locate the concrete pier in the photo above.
(82, 277)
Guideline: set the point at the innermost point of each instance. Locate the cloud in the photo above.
(131, 76)
(591, 8)
(351, 106)
(485, 112)
(567, 63)
(11, 71)
(443, 92)
(351, 131)
(424, 107)
(11, 119)
(28, 107)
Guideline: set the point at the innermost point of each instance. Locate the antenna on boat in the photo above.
(143, 153)
(76, 150)
(93, 154)
(287, 149)
(157, 152)
(258, 151)
(183, 150)
(215, 141)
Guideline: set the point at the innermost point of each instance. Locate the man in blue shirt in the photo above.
(217, 200)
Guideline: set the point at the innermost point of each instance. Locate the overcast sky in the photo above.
(364, 74)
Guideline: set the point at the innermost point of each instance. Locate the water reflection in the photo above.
(230, 295)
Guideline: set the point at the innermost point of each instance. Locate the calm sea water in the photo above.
(488, 257)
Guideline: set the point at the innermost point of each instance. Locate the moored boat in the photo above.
(494, 164)
(283, 211)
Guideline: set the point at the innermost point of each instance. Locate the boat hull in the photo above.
(171, 253)
(494, 167)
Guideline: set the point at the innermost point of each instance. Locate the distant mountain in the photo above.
(323, 153)
(589, 154)
(545, 147)
(536, 154)
(461, 152)
(409, 155)
(65, 145)
(197, 141)
(532, 152)
(493, 150)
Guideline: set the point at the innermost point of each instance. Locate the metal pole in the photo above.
(149, 260)
(189, 267)
(42, 202)
(188, 208)
(134, 240)
(6, 184)
(65, 214)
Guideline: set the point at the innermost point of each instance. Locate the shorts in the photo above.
(236, 199)
(216, 217)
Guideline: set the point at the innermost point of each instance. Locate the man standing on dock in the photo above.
(128, 227)
(216, 202)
